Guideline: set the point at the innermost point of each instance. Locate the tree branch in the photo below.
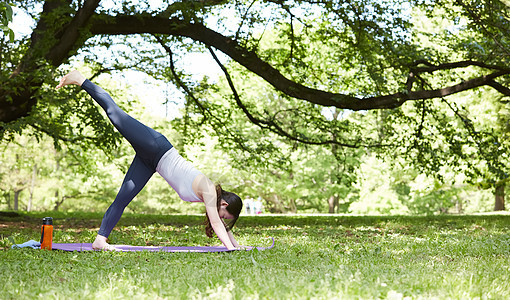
(177, 79)
(59, 137)
(67, 41)
(499, 87)
(190, 94)
(482, 23)
(270, 124)
(455, 65)
(124, 24)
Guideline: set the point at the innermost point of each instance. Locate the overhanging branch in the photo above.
(127, 24)
(499, 87)
(190, 94)
(269, 124)
(429, 67)
(60, 137)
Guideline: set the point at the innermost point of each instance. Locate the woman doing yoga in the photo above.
(154, 153)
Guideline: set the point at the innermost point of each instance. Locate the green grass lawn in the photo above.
(320, 257)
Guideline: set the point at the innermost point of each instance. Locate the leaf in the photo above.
(11, 36)
(8, 12)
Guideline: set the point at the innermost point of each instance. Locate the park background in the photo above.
(428, 155)
(375, 133)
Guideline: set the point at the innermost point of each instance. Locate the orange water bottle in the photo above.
(47, 233)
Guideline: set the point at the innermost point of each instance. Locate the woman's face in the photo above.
(223, 213)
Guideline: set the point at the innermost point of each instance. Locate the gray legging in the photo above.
(149, 146)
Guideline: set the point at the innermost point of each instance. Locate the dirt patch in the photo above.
(19, 225)
(35, 223)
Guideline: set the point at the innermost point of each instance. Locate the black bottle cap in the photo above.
(47, 221)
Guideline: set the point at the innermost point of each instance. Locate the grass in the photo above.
(315, 257)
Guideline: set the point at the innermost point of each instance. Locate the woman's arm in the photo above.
(232, 239)
(219, 228)
(208, 193)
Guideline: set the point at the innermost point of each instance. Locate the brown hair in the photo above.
(235, 205)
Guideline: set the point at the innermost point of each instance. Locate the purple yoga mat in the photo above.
(125, 248)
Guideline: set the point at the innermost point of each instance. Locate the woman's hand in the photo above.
(74, 77)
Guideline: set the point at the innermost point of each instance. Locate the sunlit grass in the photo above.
(456, 257)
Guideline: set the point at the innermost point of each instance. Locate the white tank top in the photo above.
(179, 173)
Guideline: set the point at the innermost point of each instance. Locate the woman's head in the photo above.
(229, 206)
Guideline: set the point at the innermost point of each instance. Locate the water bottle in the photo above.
(47, 233)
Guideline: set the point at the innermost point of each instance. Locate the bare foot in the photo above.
(101, 244)
(74, 77)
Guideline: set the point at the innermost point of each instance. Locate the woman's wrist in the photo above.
(81, 81)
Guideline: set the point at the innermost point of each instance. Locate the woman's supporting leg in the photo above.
(136, 178)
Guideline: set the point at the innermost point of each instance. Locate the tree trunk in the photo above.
(458, 205)
(8, 198)
(32, 187)
(292, 206)
(16, 198)
(277, 206)
(333, 204)
(58, 201)
(500, 197)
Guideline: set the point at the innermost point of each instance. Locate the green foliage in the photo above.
(289, 176)
(464, 133)
(393, 187)
(297, 155)
(5, 19)
(84, 171)
(318, 257)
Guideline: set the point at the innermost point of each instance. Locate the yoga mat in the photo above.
(125, 248)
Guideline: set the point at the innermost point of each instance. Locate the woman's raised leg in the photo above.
(141, 137)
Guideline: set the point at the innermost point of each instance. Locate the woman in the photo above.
(154, 153)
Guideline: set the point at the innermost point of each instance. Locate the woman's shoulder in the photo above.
(202, 181)
(202, 185)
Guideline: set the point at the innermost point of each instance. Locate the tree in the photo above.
(373, 36)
